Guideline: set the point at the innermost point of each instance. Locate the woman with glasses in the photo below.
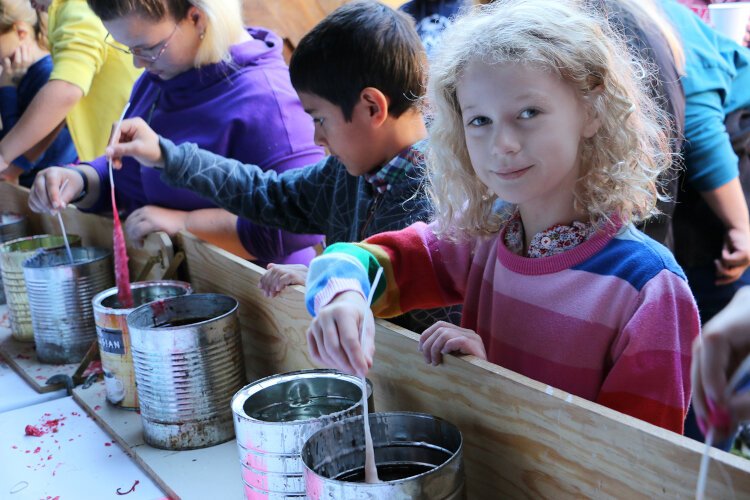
(87, 88)
(208, 81)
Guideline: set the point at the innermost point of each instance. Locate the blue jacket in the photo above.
(716, 83)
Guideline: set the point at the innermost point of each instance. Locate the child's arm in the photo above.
(650, 374)
(420, 272)
(45, 113)
(296, 200)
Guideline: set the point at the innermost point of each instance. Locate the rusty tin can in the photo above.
(114, 338)
(418, 456)
(12, 227)
(188, 361)
(12, 256)
(60, 294)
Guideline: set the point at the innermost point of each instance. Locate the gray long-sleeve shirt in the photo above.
(322, 199)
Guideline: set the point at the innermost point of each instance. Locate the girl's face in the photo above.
(523, 130)
(165, 48)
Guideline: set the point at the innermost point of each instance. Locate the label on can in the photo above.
(110, 340)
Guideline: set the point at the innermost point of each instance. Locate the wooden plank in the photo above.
(212, 472)
(22, 357)
(522, 438)
(73, 458)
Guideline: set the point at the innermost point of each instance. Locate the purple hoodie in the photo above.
(248, 111)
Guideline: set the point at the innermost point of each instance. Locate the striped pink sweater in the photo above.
(611, 320)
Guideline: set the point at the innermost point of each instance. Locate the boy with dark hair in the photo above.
(360, 75)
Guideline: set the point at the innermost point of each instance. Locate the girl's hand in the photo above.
(138, 140)
(724, 344)
(333, 336)
(280, 276)
(45, 196)
(149, 219)
(15, 67)
(443, 338)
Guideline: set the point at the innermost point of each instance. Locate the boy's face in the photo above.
(351, 142)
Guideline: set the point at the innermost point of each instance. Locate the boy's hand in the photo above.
(149, 219)
(443, 338)
(138, 140)
(45, 196)
(724, 344)
(280, 276)
(333, 336)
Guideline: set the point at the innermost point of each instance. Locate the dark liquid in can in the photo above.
(386, 472)
(180, 322)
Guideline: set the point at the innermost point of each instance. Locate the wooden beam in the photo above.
(522, 438)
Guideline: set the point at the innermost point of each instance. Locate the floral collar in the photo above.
(552, 241)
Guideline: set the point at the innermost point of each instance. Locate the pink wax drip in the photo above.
(122, 275)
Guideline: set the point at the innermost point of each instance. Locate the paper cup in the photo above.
(730, 19)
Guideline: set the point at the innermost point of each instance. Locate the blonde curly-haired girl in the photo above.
(538, 104)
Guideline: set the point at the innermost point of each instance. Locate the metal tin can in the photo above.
(12, 256)
(60, 296)
(418, 456)
(12, 227)
(274, 416)
(114, 339)
(188, 361)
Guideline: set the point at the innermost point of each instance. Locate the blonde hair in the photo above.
(15, 11)
(224, 28)
(619, 164)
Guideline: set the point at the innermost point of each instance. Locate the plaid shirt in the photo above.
(401, 164)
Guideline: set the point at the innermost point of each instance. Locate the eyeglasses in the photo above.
(150, 54)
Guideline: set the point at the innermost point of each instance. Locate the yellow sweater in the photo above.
(104, 74)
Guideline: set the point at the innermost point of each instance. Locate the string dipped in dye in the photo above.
(122, 275)
(371, 468)
(62, 227)
(740, 375)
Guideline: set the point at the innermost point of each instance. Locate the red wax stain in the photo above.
(52, 424)
(49, 457)
(34, 431)
(97, 408)
(37, 450)
(107, 444)
(39, 377)
(28, 451)
(131, 490)
(122, 275)
(94, 367)
(14, 447)
(75, 413)
(158, 308)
